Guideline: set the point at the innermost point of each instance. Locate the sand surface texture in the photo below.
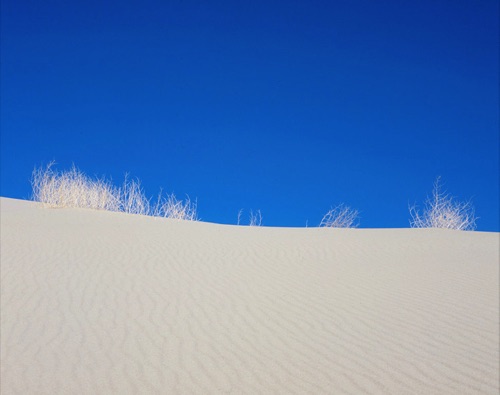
(98, 302)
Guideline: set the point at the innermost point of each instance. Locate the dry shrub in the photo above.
(441, 211)
(72, 188)
(341, 216)
(255, 218)
(171, 207)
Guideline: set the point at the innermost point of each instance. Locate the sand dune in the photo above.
(98, 302)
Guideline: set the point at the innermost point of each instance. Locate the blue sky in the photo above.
(287, 107)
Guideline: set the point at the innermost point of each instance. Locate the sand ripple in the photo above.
(108, 303)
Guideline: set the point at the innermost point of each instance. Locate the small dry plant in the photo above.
(341, 216)
(72, 188)
(133, 200)
(255, 218)
(171, 207)
(441, 211)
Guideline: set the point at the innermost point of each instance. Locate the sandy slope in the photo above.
(108, 303)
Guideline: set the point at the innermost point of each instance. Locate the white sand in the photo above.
(97, 302)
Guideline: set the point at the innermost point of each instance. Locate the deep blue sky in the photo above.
(289, 107)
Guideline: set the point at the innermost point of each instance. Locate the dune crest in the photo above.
(96, 302)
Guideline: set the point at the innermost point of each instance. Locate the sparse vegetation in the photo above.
(171, 207)
(255, 218)
(441, 211)
(73, 188)
(341, 216)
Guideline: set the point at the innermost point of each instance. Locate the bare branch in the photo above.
(441, 211)
(255, 218)
(340, 217)
(74, 189)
